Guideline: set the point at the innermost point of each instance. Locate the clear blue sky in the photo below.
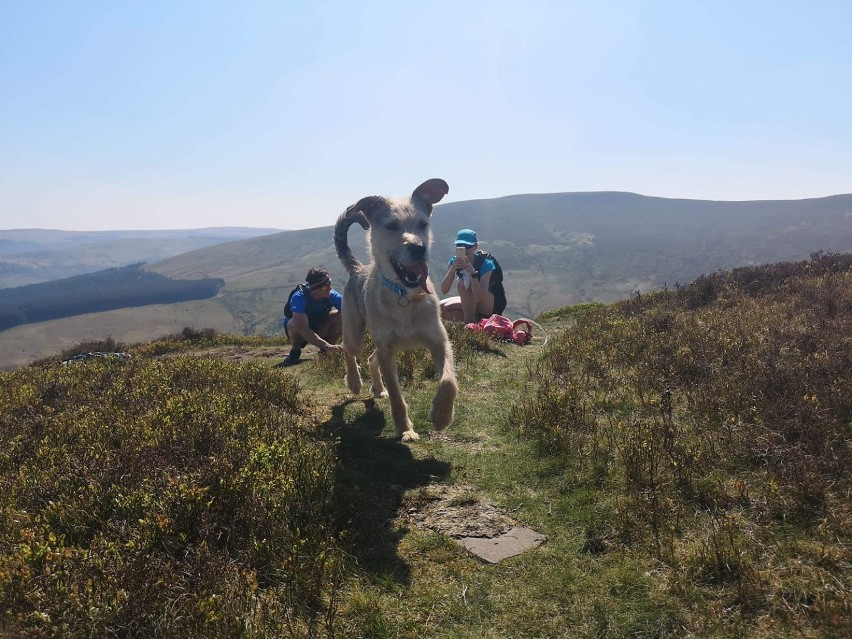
(169, 114)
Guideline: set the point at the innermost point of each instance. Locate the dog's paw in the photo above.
(379, 392)
(408, 436)
(354, 383)
(441, 421)
(441, 413)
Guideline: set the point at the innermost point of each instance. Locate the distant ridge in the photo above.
(33, 256)
(633, 194)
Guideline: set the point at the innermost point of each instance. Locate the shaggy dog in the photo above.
(393, 297)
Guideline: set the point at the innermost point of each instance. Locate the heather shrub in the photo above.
(193, 339)
(719, 413)
(170, 498)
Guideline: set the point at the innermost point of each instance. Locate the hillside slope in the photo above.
(555, 249)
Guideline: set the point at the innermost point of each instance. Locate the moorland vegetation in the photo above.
(687, 453)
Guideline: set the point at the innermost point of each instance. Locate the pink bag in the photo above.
(504, 329)
(522, 336)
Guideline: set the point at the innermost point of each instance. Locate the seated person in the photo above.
(314, 316)
(480, 282)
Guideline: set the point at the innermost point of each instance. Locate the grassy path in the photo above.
(413, 582)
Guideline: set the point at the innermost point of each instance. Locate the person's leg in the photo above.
(297, 341)
(451, 309)
(461, 308)
(330, 329)
(297, 344)
(468, 304)
(484, 309)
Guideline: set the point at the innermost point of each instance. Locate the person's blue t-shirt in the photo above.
(486, 266)
(315, 309)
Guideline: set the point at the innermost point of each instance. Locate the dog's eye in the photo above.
(423, 226)
(392, 226)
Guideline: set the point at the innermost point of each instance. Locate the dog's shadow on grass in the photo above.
(373, 474)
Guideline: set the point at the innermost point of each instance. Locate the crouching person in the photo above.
(312, 316)
(480, 282)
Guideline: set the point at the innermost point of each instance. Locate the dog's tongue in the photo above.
(422, 269)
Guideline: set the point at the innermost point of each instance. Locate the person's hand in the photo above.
(334, 348)
(464, 264)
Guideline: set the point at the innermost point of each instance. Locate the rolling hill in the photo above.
(555, 249)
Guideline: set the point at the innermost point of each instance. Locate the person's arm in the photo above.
(447, 282)
(299, 321)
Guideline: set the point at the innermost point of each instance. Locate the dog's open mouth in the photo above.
(412, 275)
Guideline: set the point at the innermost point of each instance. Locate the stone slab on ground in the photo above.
(480, 527)
(512, 542)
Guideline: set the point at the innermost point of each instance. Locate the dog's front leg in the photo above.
(378, 388)
(404, 429)
(353, 373)
(441, 414)
(353, 338)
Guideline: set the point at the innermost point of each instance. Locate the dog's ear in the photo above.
(364, 209)
(431, 192)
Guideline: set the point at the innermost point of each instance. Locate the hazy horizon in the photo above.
(158, 116)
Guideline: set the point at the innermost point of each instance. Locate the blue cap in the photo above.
(466, 237)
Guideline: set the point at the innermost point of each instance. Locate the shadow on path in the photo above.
(373, 474)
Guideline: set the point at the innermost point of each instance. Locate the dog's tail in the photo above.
(358, 212)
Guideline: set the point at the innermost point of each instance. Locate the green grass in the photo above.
(686, 453)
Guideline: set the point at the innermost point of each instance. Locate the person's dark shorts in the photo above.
(314, 321)
(499, 304)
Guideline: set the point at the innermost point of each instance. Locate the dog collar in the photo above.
(401, 293)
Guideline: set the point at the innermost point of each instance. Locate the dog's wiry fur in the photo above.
(399, 238)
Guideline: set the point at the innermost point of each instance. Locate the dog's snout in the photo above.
(417, 251)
